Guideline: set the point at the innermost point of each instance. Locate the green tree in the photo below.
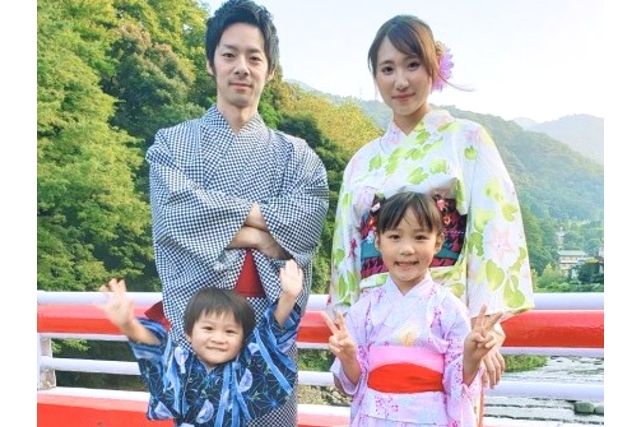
(91, 221)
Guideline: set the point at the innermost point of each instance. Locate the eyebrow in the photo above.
(250, 50)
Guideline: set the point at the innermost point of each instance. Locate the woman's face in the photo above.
(403, 83)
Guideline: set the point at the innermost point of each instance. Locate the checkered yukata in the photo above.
(204, 179)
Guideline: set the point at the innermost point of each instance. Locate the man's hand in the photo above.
(268, 246)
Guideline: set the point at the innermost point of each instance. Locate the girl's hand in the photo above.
(481, 340)
(340, 343)
(119, 308)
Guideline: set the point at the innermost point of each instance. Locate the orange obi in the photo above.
(248, 284)
(390, 371)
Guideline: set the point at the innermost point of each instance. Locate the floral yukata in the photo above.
(484, 258)
(257, 381)
(410, 358)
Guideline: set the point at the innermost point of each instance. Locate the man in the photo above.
(232, 199)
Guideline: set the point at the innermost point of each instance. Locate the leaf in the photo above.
(375, 163)
(470, 153)
(513, 297)
(417, 176)
(438, 166)
(480, 219)
(509, 211)
(495, 275)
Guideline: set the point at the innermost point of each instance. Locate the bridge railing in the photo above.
(563, 324)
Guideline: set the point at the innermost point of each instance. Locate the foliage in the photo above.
(521, 362)
(335, 159)
(344, 124)
(314, 360)
(91, 221)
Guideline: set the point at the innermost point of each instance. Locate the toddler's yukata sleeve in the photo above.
(153, 361)
(268, 373)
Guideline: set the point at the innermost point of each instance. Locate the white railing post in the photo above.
(46, 376)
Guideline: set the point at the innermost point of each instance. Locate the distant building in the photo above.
(568, 259)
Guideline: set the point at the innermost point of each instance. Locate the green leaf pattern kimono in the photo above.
(456, 159)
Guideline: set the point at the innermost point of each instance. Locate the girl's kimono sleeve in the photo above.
(344, 290)
(199, 221)
(355, 320)
(498, 272)
(268, 374)
(295, 218)
(154, 362)
(460, 397)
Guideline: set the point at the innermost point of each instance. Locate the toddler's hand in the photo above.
(291, 279)
(119, 308)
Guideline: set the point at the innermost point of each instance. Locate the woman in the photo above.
(484, 258)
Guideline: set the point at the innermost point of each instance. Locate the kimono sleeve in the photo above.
(345, 253)
(498, 271)
(355, 320)
(153, 361)
(268, 373)
(200, 222)
(460, 397)
(295, 217)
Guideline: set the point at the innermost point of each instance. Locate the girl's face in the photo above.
(216, 338)
(407, 251)
(404, 84)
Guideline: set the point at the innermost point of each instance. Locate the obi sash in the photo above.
(247, 285)
(399, 369)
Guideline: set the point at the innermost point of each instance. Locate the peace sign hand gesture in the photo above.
(480, 340)
(340, 342)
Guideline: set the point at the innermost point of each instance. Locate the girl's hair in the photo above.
(219, 301)
(411, 36)
(394, 209)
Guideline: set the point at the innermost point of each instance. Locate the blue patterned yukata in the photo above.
(257, 381)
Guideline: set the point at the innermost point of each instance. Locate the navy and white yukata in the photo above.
(259, 379)
(204, 179)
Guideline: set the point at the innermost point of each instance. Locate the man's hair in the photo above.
(394, 209)
(246, 12)
(219, 301)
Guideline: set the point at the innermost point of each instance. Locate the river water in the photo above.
(583, 370)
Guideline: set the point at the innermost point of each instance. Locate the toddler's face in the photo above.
(216, 338)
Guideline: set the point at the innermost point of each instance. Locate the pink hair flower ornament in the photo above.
(445, 66)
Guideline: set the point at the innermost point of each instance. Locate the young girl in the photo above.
(406, 351)
(236, 372)
(484, 260)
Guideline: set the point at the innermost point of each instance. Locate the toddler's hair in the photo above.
(393, 209)
(219, 301)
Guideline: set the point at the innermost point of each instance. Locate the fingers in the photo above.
(495, 366)
(493, 319)
(330, 323)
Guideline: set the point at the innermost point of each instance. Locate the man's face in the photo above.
(240, 66)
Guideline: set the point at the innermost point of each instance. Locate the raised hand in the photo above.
(119, 308)
(481, 340)
(340, 342)
(291, 279)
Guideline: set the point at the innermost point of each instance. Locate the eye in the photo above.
(386, 70)
(414, 65)
(231, 331)
(227, 55)
(256, 58)
(207, 328)
(393, 236)
(422, 237)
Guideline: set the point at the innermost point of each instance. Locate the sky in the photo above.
(537, 59)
